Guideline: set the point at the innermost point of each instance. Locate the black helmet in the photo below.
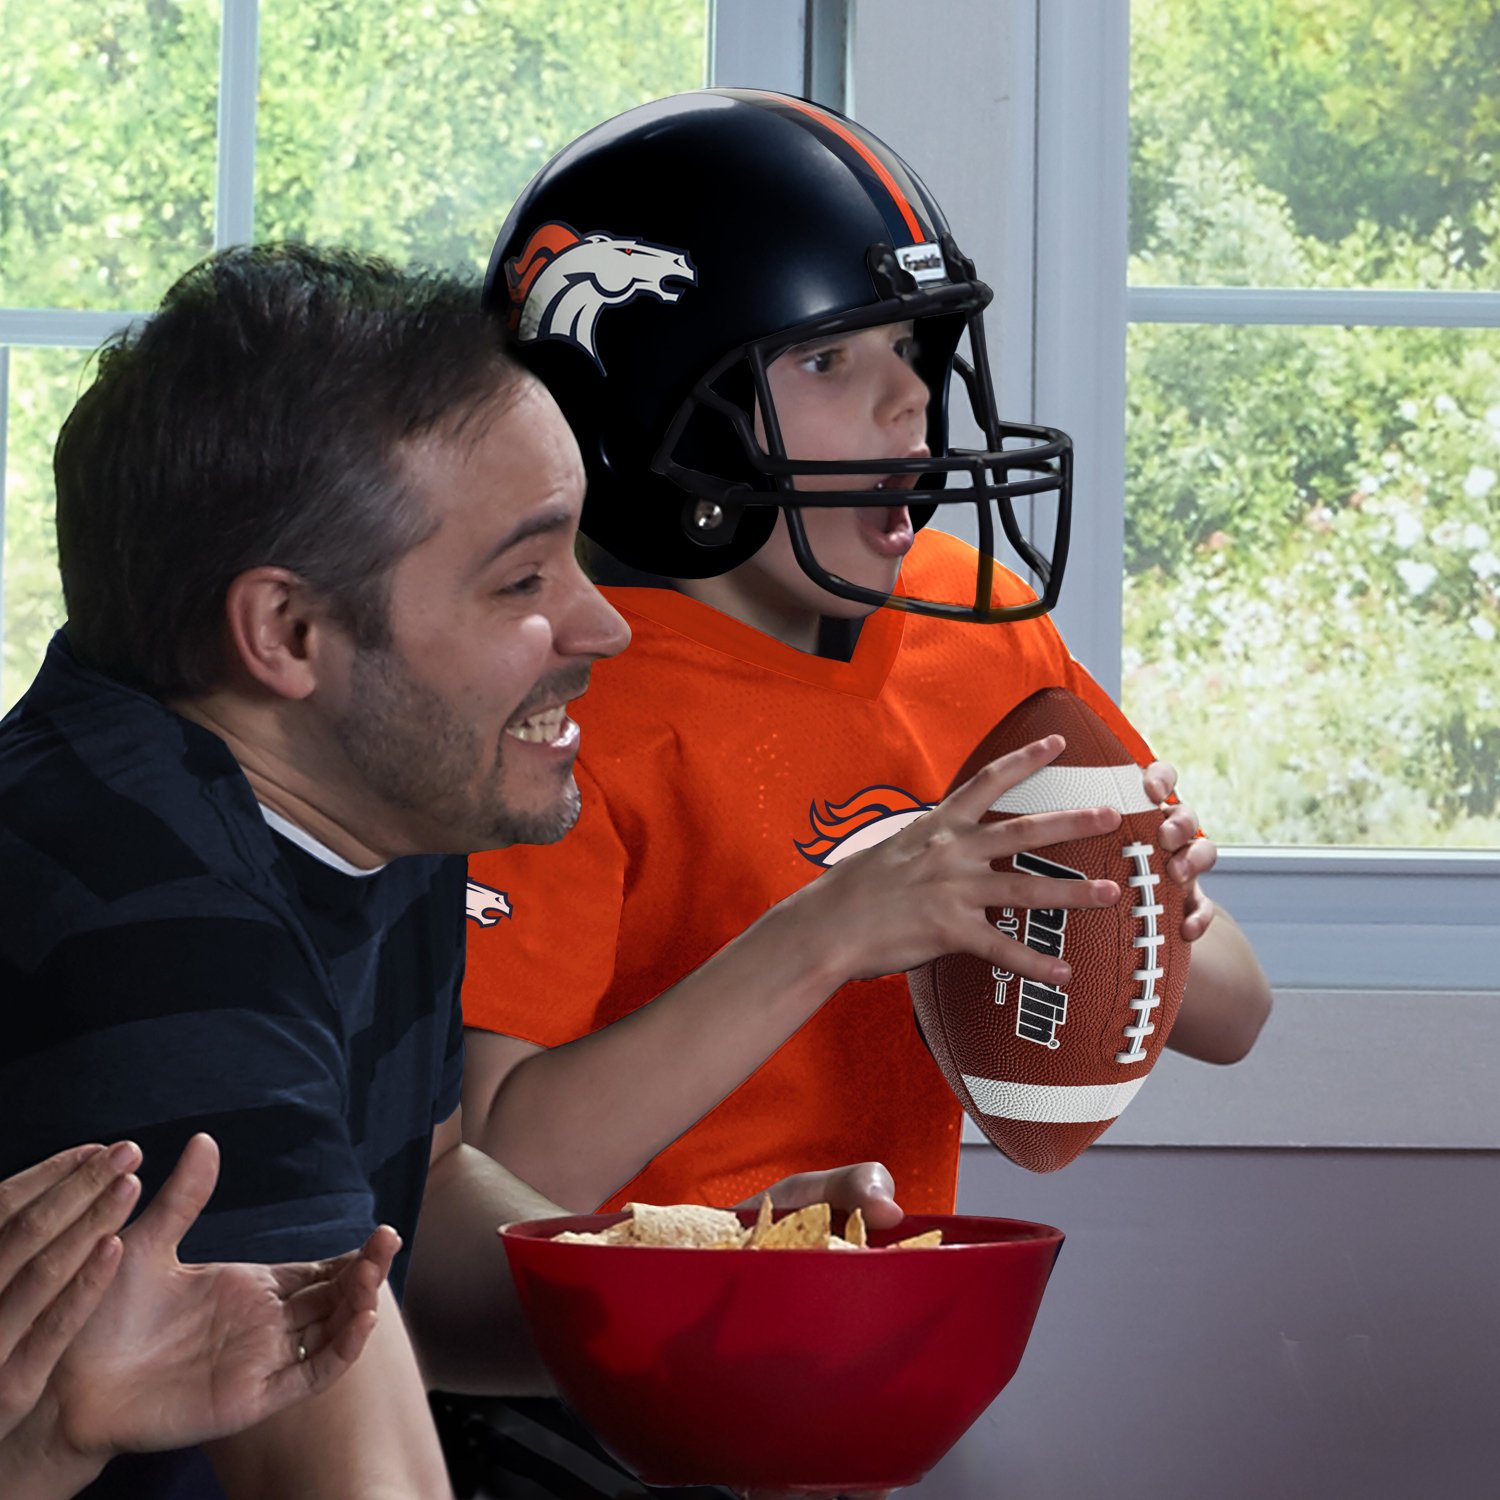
(653, 269)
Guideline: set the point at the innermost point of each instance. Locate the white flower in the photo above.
(1408, 410)
(1475, 535)
(1418, 577)
(1408, 529)
(1481, 627)
(1485, 564)
(1444, 404)
(1479, 481)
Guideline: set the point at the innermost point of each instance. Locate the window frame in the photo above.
(1319, 916)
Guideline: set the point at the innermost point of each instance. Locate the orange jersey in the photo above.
(720, 771)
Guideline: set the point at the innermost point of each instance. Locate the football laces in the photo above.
(1146, 911)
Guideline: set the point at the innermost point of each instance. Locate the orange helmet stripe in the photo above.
(876, 165)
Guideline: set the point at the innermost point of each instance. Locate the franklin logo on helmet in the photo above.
(561, 282)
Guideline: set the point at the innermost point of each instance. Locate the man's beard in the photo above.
(416, 754)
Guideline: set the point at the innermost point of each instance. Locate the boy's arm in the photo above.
(578, 1120)
(1228, 997)
(460, 1301)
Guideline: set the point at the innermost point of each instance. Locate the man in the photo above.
(315, 532)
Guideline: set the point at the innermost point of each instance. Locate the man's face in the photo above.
(458, 727)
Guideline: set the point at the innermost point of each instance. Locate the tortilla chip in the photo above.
(622, 1233)
(762, 1226)
(804, 1229)
(684, 1226)
(919, 1241)
(854, 1230)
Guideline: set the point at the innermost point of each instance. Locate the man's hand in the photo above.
(1189, 853)
(179, 1354)
(924, 891)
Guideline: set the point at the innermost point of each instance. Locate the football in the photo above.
(1043, 1071)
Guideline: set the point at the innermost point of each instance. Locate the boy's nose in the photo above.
(906, 397)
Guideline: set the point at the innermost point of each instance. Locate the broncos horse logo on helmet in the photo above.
(561, 281)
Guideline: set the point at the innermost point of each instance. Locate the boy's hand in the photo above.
(924, 891)
(1190, 853)
(866, 1186)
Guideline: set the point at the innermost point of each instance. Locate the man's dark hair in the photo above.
(254, 420)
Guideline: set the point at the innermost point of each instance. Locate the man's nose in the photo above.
(592, 626)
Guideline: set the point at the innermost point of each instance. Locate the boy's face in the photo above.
(852, 396)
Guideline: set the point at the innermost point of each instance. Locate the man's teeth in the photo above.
(540, 729)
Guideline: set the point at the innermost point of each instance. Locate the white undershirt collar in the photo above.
(304, 840)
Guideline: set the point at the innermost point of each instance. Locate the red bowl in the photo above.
(792, 1369)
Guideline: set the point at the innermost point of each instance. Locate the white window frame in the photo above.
(1345, 918)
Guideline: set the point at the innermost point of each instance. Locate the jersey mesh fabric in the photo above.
(721, 770)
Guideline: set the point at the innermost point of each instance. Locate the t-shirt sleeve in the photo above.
(544, 927)
(162, 1026)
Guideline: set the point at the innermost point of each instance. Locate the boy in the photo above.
(739, 299)
(735, 297)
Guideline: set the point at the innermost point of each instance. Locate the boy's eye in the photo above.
(908, 348)
(821, 361)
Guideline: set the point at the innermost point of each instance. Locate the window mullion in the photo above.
(239, 70)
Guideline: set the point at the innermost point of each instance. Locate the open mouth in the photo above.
(547, 726)
(887, 530)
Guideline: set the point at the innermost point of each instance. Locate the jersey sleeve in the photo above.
(162, 1026)
(544, 926)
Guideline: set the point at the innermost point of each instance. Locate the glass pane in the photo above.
(409, 130)
(1312, 590)
(107, 122)
(43, 386)
(1315, 143)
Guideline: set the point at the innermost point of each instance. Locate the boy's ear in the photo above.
(276, 630)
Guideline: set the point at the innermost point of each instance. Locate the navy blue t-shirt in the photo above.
(168, 964)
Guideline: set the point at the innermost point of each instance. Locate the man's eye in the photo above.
(821, 362)
(527, 585)
(908, 349)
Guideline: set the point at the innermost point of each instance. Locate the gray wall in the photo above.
(1249, 1324)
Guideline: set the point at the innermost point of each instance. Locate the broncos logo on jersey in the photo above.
(485, 905)
(867, 818)
(561, 281)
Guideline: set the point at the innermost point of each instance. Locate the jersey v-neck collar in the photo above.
(862, 676)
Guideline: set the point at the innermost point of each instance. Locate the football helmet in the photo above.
(653, 270)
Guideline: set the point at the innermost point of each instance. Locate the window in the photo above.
(1312, 496)
(134, 138)
(1019, 119)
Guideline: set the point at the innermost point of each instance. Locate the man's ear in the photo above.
(276, 630)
